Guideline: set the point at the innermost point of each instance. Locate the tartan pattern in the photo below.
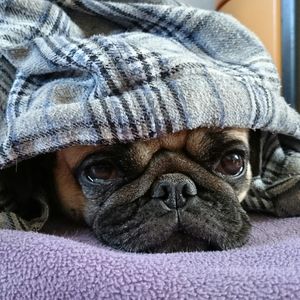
(172, 68)
(279, 172)
(11, 220)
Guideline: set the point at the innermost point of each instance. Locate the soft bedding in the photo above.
(76, 266)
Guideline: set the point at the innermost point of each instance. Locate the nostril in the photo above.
(165, 192)
(189, 189)
(162, 191)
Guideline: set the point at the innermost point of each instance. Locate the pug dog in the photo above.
(181, 192)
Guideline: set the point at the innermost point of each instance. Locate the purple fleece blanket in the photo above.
(42, 266)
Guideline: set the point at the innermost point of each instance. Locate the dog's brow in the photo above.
(203, 140)
(175, 141)
(238, 134)
(74, 155)
(228, 138)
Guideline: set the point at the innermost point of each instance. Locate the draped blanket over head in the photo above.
(166, 68)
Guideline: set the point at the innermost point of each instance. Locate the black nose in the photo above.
(174, 190)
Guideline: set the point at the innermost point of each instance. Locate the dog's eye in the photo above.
(231, 164)
(101, 171)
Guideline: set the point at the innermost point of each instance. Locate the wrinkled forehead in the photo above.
(191, 141)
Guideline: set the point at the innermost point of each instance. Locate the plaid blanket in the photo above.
(166, 68)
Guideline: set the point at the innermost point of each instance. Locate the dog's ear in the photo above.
(24, 187)
(255, 143)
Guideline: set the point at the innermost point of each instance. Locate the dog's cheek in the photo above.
(94, 199)
(68, 191)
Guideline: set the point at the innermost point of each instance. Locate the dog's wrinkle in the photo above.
(216, 222)
(152, 228)
(160, 165)
(133, 218)
(206, 212)
(110, 235)
(136, 225)
(120, 215)
(112, 209)
(175, 141)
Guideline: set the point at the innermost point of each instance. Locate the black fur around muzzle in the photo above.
(175, 205)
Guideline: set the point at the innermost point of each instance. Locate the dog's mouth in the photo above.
(182, 237)
(149, 229)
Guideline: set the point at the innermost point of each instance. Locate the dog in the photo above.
(181, 192)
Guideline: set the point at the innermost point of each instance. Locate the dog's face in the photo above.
(178, 193)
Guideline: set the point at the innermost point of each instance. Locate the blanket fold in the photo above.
(173, 68)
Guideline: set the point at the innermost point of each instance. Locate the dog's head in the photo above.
(178, 193)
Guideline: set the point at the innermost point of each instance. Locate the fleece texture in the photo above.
(39, 266)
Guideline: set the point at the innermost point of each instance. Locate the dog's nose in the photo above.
(174, 190)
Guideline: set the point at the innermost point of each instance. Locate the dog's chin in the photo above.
(178, 241)
(181, 241)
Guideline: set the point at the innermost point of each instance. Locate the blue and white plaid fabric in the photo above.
(166, 69)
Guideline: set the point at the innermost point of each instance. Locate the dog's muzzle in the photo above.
(175, 205)
(174, 190)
